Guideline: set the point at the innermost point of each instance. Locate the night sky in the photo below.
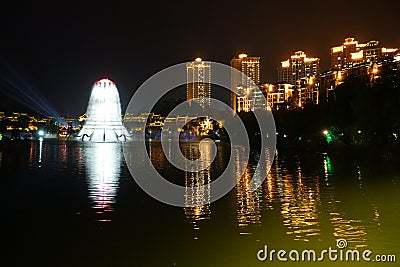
(58, 49)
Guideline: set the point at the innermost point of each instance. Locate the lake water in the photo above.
(76, 204)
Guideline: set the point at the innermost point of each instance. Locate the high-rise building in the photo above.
(279, 95)
(243, 85)
(328, 81)
(397, 60)
(351, 54)
(199, 82)
(298, 67)
(345, 55)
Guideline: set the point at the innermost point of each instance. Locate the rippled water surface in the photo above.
(75, 204)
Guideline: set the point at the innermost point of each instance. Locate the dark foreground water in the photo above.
(74, 204)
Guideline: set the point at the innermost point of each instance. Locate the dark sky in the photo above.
(60, 48)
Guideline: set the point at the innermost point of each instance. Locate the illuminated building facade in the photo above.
(246, 97)
(328, 81)
(345, 55)
(356, 59)
(21, 125)
(301, 72)
(307, 92)
(397, 60)
(351, 54)
(244, 103)
(199, 82)
(278, 96)
(297, 67)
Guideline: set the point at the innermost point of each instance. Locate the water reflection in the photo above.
(40, 152)
(304, 193)
(302, 204)
(103, 161)
(248, 202)
(36, 153)
(300, 197)
(344, 225)
(294, 204)
(31, 159)
(327, 168)
(353, 230)
(64, 152)
(197, 199)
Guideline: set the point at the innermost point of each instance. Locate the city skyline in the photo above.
(360, 54)
(227, 133)
(59, 52)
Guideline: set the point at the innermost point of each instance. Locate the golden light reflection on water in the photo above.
(303, 198)
(33, 154)
(198, 190)
(299, 199)
(197, 199)
(344, 225)
(103, 162)
(307, 204)
(248, 202)
(353, 230)
(36, 154)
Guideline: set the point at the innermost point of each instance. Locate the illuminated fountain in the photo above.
(104, 123)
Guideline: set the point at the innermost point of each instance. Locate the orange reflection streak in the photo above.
(197, 199)
(299, 197)
(271, 188)
(352, 230)
(31, 160)
(248, 202)
(63, 152)
(344, 226)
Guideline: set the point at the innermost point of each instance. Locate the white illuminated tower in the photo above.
(199, 82)
(104, 122)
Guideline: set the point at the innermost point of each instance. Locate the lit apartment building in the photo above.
(351, 54)
(279, 95)
(250, 98)
(244, 104)
(328, 81)
(246, 97)
(307, 92)
(297, 67)
(199, 82)
(341, 56)
(397, 60)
